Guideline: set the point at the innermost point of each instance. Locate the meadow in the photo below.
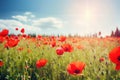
(20, 61)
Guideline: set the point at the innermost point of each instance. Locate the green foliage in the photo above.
(21, 65)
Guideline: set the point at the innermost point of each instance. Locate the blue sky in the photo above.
(60, 16)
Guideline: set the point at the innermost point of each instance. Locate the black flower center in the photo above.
(77, 71)
(118, 58)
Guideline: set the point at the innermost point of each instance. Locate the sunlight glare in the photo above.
(88, 15)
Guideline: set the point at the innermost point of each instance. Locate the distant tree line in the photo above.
(115, 33)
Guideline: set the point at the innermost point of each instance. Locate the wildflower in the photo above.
(59, 51)
(101, 59)
(1, 63)
(11, 42)
(80, 47)
(53, 43)
(67, 47)
(16, 29)
(62, 38)
(24, 35)
(114, 56)
(45, 42)
(41, 63)
(75, 68)
(22, 30)
(1, 39)
(4, 32)
(39, 37)
(20, 48)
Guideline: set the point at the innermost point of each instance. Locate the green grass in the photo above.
(15, 61)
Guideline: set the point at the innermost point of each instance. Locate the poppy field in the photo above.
(23, 57)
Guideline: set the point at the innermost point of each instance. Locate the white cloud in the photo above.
(20, 18)
(30, 23)
(12, 24)
(29, 14)
(26, 17)
(49, 22)
(44, 23)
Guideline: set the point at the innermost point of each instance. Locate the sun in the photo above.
(88, 15)
(83, 13)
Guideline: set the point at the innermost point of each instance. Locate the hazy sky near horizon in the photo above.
(60, 16)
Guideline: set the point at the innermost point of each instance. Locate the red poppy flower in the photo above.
(59, 51)
(16, 29)
(75, 68)
(101, 59)
(41, 63)
(1, 39)
(53, 44)
(1, 63)
(80, 47)
(20, 48)
(67, 47)
(13, 36)
(4, 32)
(117, 67)
(114, 56)
(22, 30)
(45, 42)
(11, 42)
(52, 37)
(24, 35)
(39, 37)
(62, 38)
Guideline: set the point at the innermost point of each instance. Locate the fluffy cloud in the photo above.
(26, 17)
(49, 22)
(29, 14)
(12, 24)
(20, 18)
(30, 23)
